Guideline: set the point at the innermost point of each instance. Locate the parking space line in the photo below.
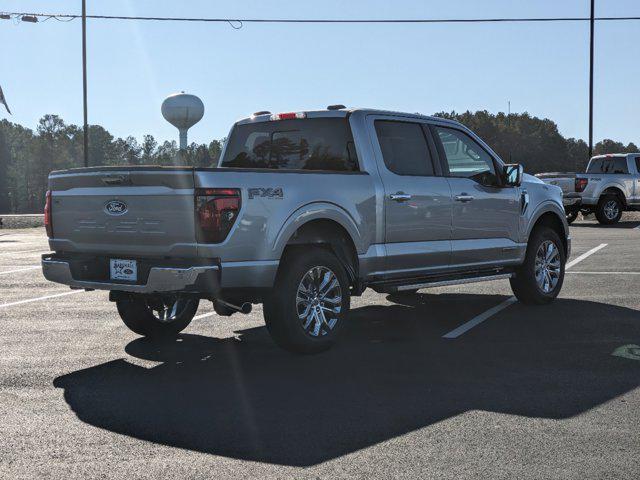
(29, 300)
(585, 255)
(511, 300)
(204, 315)
(480, 318)
(20, 270)
(605, 273)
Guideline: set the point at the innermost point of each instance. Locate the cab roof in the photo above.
(610, 155)
(343, 113)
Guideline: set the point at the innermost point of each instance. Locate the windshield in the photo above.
(301, 144)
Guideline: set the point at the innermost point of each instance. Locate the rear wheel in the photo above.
(157, 316)
(609, 210)
(571, 217)
(305, 311)
(539, 279)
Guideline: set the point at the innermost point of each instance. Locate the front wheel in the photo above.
(539, 279)
(305, 311)
(157, 316)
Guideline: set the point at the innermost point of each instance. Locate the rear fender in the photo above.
(317, 211)
(614, 188)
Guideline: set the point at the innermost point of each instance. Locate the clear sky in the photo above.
(540, 68)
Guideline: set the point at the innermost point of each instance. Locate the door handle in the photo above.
(400, 197)
(463, 197)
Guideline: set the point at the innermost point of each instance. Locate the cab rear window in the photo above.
(298, 144)
(608, 165)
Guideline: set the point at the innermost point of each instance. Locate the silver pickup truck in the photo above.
(610, 186)
(303, 211)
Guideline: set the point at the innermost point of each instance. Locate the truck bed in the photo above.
(564, 180)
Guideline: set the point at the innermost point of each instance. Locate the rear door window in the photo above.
(299, 144)
(404, 148)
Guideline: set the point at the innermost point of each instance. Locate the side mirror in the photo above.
(512, 175)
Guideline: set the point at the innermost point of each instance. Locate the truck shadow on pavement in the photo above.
(392, 374)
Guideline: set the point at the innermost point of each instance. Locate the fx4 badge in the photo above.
(276, 193)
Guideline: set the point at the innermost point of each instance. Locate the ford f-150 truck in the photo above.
(610, 186)
(303, 211)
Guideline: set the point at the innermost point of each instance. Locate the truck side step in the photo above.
(441, 281)
(460, 281)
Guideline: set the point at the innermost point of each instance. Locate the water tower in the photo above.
(183, 111)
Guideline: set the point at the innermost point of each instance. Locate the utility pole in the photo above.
(85, 127)
(591, 79)
(509, 124)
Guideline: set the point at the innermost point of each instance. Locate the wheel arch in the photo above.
(552, 218)
(614, 190)
(323, 226)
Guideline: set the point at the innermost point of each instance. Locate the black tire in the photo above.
(571, 217)
(281, 308)
(606, 206)
(524, 284)
(137, 313)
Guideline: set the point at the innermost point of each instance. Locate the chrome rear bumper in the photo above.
(161, 279)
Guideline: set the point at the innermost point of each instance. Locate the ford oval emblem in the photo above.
(116, 207)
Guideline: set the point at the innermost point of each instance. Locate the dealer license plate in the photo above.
(124, 270)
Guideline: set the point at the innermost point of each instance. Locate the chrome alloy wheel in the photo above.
(611, 209)
(547, 266)
(167, 309)
(319, 301)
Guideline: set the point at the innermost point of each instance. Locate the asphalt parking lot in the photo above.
(514, 392)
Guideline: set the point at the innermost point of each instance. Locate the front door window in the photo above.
(465, 158)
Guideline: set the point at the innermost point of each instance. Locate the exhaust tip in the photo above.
(246, 308)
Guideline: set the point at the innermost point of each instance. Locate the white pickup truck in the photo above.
(610, 186)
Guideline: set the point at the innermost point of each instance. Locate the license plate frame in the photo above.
(123, 270)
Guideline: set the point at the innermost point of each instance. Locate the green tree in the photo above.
(5, 159)
(128, 151)
(27, 157)
(149, 145)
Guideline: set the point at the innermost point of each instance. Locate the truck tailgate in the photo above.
(128, 211)
(566, 181)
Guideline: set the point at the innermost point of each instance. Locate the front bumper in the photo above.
(159, 279)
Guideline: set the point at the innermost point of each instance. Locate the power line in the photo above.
(238, 22)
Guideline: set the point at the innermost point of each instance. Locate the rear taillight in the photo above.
(216, 212)
(581, 184)
(48, 220)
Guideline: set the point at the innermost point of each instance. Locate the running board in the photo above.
(459, 281)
